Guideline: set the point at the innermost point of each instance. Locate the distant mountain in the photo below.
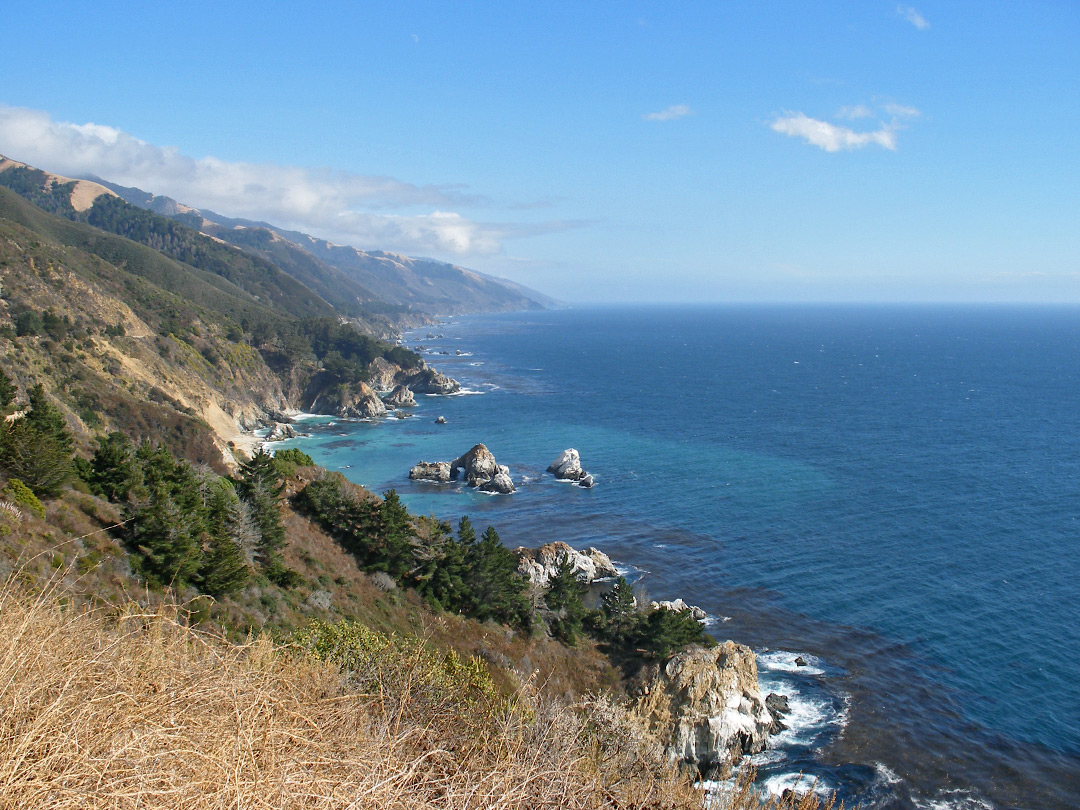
(350, 278)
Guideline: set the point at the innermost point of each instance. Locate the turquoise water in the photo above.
(893, 493)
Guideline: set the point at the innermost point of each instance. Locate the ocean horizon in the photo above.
(891, 492)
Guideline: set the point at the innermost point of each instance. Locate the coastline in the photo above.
(862, 665)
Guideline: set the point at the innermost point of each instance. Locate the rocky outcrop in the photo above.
(441, 420)
(706, 705)
(567, 467)
(426, 380)
(539, 565)
(477, 466)
(280, 432)
(383, 373)
(400, 397)
(435, 471)
(678, 606)
(500, 484)
(361, 403)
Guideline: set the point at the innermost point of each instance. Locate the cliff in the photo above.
(706, 705)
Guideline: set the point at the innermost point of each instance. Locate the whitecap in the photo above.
(799, 782)
(784, 661)
(954, 800)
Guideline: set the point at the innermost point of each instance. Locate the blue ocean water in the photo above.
(891, 492)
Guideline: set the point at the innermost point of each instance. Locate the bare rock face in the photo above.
(478, 466)
(500, 484)
(400, 397)
(383, 373)
(435, 471)
(706, 705)
(426, 380)
(567, 467)
(362, 403)
(280, 432)
(539, 565)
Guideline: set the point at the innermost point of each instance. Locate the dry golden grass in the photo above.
(135, 710)
(129, 708)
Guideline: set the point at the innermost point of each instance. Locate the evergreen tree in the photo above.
(440, 570)
(258, 484)
(167, 519)
(114, 471)
(564, 599)
(7, 391)
(619, 617)
(664, 631)
(495, 588)
(393, 549)
(37, 448)
(224, 566)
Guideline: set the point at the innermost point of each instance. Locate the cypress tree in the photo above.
(564, 599)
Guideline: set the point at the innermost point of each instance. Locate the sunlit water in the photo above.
(893, 493)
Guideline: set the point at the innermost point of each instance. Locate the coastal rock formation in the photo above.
(678, 605)
(500, 484)
(426, 380)
(435, 471)
(539, 565)
(567, 467)
(441, 420)
(478, 466)
(279, 432)
(400, 397)
(383, 373)
(361, 403)
(585, 481)
(706, 705)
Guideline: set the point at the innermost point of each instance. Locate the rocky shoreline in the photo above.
(704, 704)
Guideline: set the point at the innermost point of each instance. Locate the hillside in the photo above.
(364, 277)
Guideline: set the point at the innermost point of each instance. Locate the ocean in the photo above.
(890, 492)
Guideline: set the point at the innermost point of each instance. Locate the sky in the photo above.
(596, 151)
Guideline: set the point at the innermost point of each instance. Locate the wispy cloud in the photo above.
(832, 137)
(670, 114)
(910, 14)
(839, 138)
(361, 210)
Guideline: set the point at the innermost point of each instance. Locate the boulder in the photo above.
(280, 432)
(586, 481)
(706, 705)
(478, 466)
(567, 467)
(426, 380)
(400, 397)
(441, 420)
(678, 605)
(500, 484)
(361, 403)
(778, 707)
(539, 565)
(434, 471)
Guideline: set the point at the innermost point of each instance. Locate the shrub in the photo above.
(22, 494)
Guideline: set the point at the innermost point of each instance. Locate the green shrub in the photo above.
(22, 494)
(286, 461)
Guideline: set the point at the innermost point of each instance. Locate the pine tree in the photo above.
(440, 570)
(496, 589)
(37, 448)
(114, 471)
(224, 567)
(258, 484)
(564, 599)
(7, 391)
(618, 612)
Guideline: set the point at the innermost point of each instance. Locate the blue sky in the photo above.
(619, 151)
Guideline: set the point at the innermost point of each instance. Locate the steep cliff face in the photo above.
(706, 705)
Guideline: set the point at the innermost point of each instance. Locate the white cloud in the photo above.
(831, 137)
(836, 138)
(670, 114)
(913, 17)
(367, 211)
